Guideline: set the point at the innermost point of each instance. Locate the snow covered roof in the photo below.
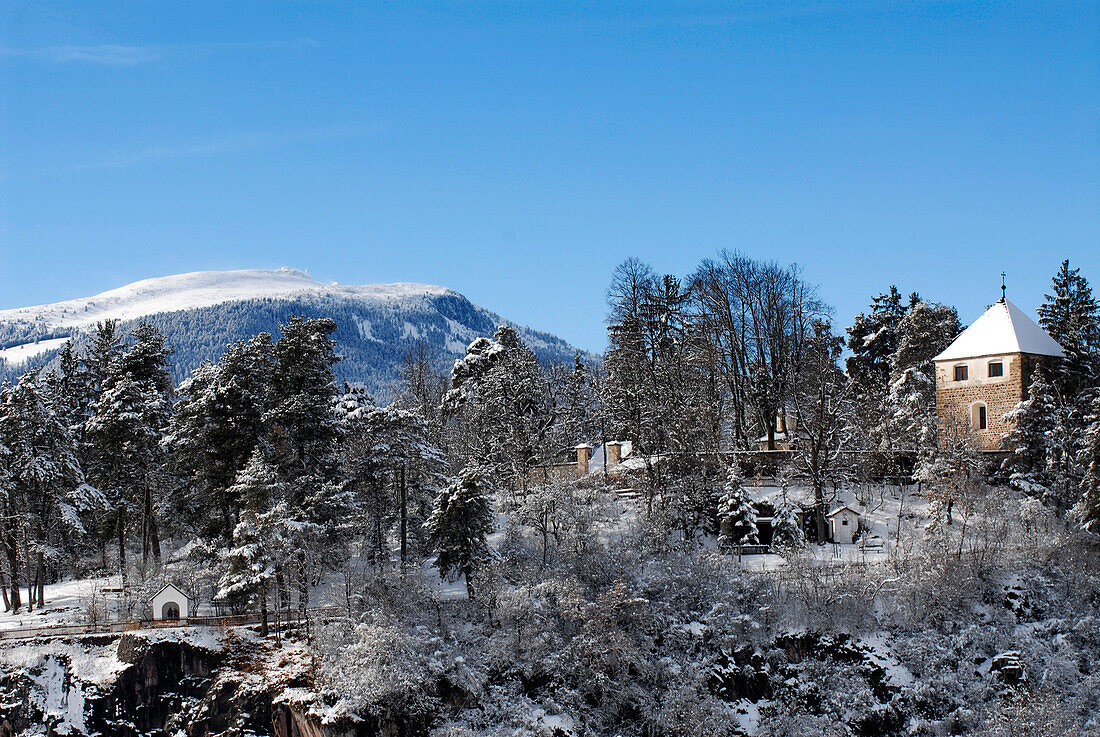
(840, 509)
(175, 588)
(1004, 328)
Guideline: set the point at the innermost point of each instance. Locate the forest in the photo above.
(482, 598)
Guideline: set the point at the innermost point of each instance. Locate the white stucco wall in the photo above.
(839, 531)
(169, 594)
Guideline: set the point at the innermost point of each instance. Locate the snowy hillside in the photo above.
(202, 311)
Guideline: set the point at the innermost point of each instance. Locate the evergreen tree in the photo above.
(736, 513)
(302, 424)
(924, 332)
(873, 341)
(218, 422)
(390, 465)
(103, 351)
(127, 421)
(1088, 508)
(125, 445)
(71, 387)
(501, 402)
(459, 526)
(300, 431)
(1033, 465)
(260, 542)
(786, 530)
(576, 405)
(1071, 315)
(43, 491)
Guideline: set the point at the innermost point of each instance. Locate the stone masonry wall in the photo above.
(955, 399)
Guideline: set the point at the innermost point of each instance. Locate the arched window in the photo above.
(170, 610)
(979, 417)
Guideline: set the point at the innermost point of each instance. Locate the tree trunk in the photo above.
(469, 573)
(120, 531)
(41, 579)
(151, 527)
(303, 585)
(27, 562)
(263, 609)
(13, 564)
(403, 490)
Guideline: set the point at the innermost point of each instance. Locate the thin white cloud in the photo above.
(121, 55)
(232, 143)
(108, 54)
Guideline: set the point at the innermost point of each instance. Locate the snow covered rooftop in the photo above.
(1004, 328)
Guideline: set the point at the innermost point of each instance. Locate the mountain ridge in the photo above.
(201, 312)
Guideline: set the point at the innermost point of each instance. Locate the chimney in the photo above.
(584, 453)
(614, 453)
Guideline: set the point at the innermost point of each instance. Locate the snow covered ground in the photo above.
(66, 603)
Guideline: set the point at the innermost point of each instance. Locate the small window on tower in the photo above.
(981, 417)
(960, 373)
(996, 369)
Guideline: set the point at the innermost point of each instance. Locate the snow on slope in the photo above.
(184, 292)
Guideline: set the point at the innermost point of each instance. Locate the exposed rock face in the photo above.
(152, 684)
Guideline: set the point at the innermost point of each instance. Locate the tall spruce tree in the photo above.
(301, 422)
(1088, 507)
(260, 542)
(787, 533)
(219, 420)
(501, 404)
(873, 341)
(459, 526)
(1033, 463)
(42, 486)
(1071, 315)
(736, 513)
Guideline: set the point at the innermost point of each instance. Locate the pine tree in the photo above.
(925, 331)
(909, 420)
(1034, 420)
(501, 405)
(736, 513)
(390, 465)
(1088, 508)
(873, 340)
(259, 543)
(302, 423)
(218, 422)
(576, 408)
(459, 526)
(45, 490)
(127, 421)
(124, 447)
(1071, 315)
(786, 530)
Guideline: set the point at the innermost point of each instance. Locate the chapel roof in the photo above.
(1004, 328)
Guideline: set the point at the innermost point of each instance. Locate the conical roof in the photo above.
(1004, 328)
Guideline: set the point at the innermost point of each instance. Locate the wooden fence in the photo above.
(52, 631)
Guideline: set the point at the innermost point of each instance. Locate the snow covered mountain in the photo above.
(203, 311)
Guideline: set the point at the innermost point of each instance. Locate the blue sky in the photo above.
(517, 151)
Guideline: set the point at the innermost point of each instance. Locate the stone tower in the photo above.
(986, 371)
